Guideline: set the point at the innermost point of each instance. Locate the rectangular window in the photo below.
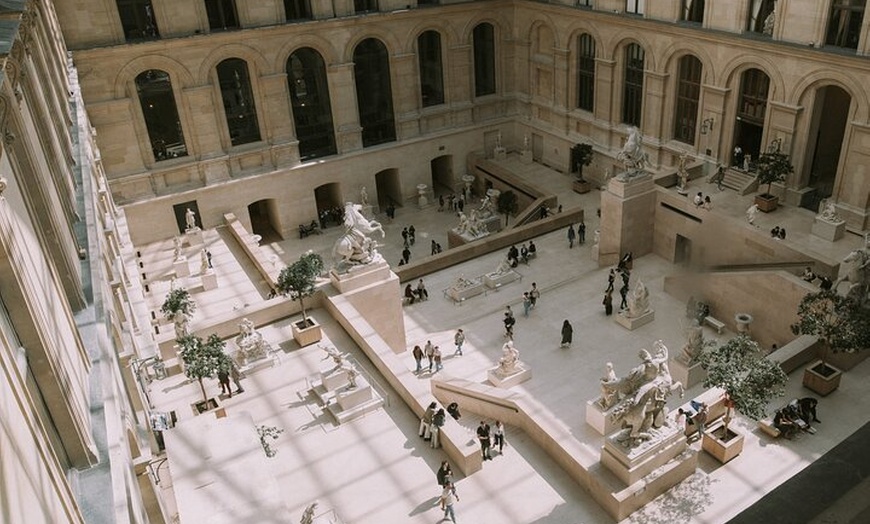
(688, 94)
(634, 7)
(297, 10)
(632, 91)
(844, 27)
(221, 15)
(365, 6)
(586, 73)
(137, 20)
(431, 77)
(584, 3)
(693, 11)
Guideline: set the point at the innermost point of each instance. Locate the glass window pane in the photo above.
(688, 94)
(632, 93)
(374, 94)
(431, 75)
(161, 114)
(238, 99)
(586, 72)
(137, 19)
(484, 60)
(309, 97)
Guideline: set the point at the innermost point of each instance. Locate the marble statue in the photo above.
(342, 364)
(355, 247)
(204, 264)
(466, 227)
(828, 211)
(503, 267)
(334, 354)
(176, 253)
(694, 342)
(609, 394)
(747, 159)
(181, 323)
(857, 275)
(250, 342)
(190, 220)
(526, 142)
(642, 395)
(487, 208)
(638, 301)
(459, 283)
(632, 155)
(363, 196)
(682, 174)
(509, 363)
(751, 213)
(308, 514)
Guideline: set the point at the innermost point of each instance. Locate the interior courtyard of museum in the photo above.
(226, 227)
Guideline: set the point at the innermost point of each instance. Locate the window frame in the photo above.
(632, 85)
(312, 123)
(428, 75)
(848, 36)
(244, 92)
(160, 149)
(586, 72)
(137, 19)
(484, 53)
(688, 96)
(222, 9)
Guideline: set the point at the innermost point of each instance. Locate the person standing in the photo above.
(405, 236)
(608, 302)
(610, 278)
(567, 334)
(459, 339)
(421, 292)
(434, 248)
(448, 499)
(440, 203)
(438, 420)
(224, 380)
(623, 291)
(445, 474)
(430, 353)
(436, 356)
(527, 303)
(236, 375)
(418, 358)
(426, 420)
(524, 254)
(406, 254)
(581, 232)
(498, 436)
(483, 435)
(571, 236)
(509, 325)
(412, 234)
(534, 294)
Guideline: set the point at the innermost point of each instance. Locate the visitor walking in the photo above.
(534, 294)
(440, 203)
(608, 302)
(623, 291)
(434, 248)
(483, 436)
(448, 499)
(405, 233)
(236, 376)
(567, 334)
(429, 349)
(527, 303)
(418, 358)
(498, 436)
(426, 420)
(458, 340)
(571, 236)
(610, 278)
(509, 322)
(224, 380)
(412, 234)
(581, 232)
(436, 357)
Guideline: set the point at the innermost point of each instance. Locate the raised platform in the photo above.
(181, 267)
(599, 418)
(499, 381)
(632, 323)
(347, 403)
(461, 294)
(631, 465)
(829, 229)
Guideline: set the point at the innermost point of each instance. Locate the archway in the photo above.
(825, 143)
(264, 220)
(442, 175)
(329, 204)
(389, 188)
(751, 112)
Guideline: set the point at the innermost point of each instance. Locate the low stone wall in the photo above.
(251, 248)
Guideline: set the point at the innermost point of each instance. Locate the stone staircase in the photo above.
(740, 181)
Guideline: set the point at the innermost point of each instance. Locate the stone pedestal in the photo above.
(193, 237)
(594, 252)
(631, 465)
(599, 418)
(496, 280)
(360, 276)
(181, 267)
(499, 153)
(686, 374)
(351, 397)
(627, 210)
(828, 229)
(459, 294)
(505, 381)
(632, 323)
(332, 377)
(209, 280)
(526, 157)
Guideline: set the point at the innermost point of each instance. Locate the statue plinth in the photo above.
(633, 464)
(632, 323)
(630, 185)
(496, 280)
(499, 379)
(193, 237)
(831, 230)
(526, 157)
(687, 374)
(599, 418)
(181, 267)
(360, 276)
(499, 153)
(333, 377)
(209, 280)
(473, 288)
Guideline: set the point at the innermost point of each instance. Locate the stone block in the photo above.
(599, 418)
(632, 323)
(633, 464)
(687, 375)
(333, 378)
(526, 157)
(829, 230)
(209, 280)
(499, 381)
(193, 237)
(496, 280)
(348, 397)
(181, 267)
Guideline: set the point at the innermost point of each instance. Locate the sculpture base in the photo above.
(491, 224)
(209, 280)
(499, 153)
(181, 267)
(506, 381)
(193, 237)
(455, 239)
(422, 202)
(333, 378)
(687, 374)
(526, 157)
(350, 397)
(829, 230)
(599, 418)
(633, 464)
(360, 276)
(461, 294)
(632, 323)
(496, 280)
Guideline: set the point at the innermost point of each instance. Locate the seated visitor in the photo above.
(524, 254)
(409, 293)
(808, 274)
(532, 249)
(421, 292)
(825, 283)
(784, 424)
(453, 410)
(774, 233)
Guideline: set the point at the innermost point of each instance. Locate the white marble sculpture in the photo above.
(503, 267)
(355, 247)
(203, 261)
(250, 342)
(751, 213)
(509, 363)
(176, 250)
(181, 322)
(694, 343)
(638, 301)
(466, 227)
(526, 142)
(487, 208)
(363, 196)
(632, 155)
(642, 394)
(190, 220)
(828, 211)
(308, 515)
(609, 394)
(683, 174)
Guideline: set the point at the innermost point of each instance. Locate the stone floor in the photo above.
(376, 469)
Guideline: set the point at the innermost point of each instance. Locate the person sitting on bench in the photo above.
(784, 424)
(409, 294)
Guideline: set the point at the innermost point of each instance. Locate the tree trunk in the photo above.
(304, 316)
(202, 387)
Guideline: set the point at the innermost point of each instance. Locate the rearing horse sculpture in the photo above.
(355, 247)
(857, 276)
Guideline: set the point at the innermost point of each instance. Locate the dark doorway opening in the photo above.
(330, 210)
(682, 251)
(263, 214)
(180, 211)
(827, 129)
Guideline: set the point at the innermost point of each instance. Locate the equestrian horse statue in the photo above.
(355, 247)
(632, 156)
(858, 276)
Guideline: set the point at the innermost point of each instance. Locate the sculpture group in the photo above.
(355, 247)
(632, 156)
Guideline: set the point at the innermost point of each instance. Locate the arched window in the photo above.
(431, 74)
(221, 14)
(632, 85)
(844, 26)
(693, 11)
(297, 10)
(137, 19)
(309, 97)
(484, 60)
(688, 93)
(239, 107)
(374, 94)
(586, 72)
(161, 114)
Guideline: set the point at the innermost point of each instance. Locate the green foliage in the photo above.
(750, 381)
(203, 359)
(268, 432)
(582, 156)
(507, 203)
(838, 321)
(298, 279)
(178, 300)
(773, 167)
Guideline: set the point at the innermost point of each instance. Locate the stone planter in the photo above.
(307, 335)
(743, 320)
(204, 405)
(581, 186)
(767, 203)
(822, 378)
(722, 447)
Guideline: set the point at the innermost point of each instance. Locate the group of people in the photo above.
(490, 437)
(224, 377)
(696, 416)
(703, 201)
(796, 416)
(523, 254)
(825, 283)
(409, 236)
(530, 300)
(436, 248)
(623, 269)
(778, 233)
(432, 353)
(580, 234)
(417, 294)
(454, 202)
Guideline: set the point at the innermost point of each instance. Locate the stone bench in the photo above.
(796, 353)
(251, 248)
(766, 425)
(714, 323)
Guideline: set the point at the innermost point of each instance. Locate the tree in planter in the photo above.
(581, 156)
(178, 307)
(839, 322)
(773, 166)
(507, 204)
(299, 278)
(750, 381)
(203, 359)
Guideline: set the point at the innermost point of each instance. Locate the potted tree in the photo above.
(773, 166)
(298, 280)
(840, 324)
(749, 380)
(178, 307)
(507, 204)
(203, 360)
(581, 155)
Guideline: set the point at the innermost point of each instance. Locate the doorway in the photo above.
(537, 147)
(682, 251)
(442, 175)
(389, 188)
(827, 129)
(329, 205)
(180, 211)
(264, 220)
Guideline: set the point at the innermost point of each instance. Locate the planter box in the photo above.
(306, 336)
(581, 186)
(203, 406)
(722, 450)
(767, 203)
(822, 378)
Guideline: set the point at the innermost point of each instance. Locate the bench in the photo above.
(714, 323)
(766, 425)
(310, 229)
